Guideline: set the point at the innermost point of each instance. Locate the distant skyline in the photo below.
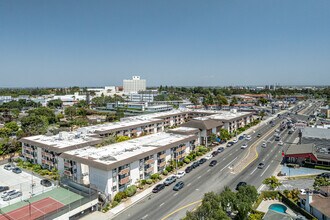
(63, 43)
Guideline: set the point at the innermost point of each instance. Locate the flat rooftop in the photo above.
(225, 115)
(319, 133)
(62, 141)
(127, 151)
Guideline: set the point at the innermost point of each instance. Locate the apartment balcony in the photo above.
(162, 164)
(67, 164)
(28, 148)
(47, 154)
(180, 156)
(150, 161)
(124, 171)
(124, 180)
(162, 156)
(67, 173)
(149, 170)
(28, 155)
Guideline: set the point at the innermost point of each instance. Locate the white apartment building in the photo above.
(134, 85)
(113, 168)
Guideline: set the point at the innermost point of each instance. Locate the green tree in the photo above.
(224, 134)
(44, 112)
(263, 101)
(70, 112)
(234, 101)
(56, 103)
(5, 132)
(272, 182)
(221, 100)
(34, 124)
(122, 138)
(194, 100)
(12, 126)
(321, 181)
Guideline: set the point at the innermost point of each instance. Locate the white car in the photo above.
(8, 192)
(235, 141)
(180, 174)
(208, 157)
(264, 145)
(280, 143)
(244, 146)
(302, 191)
(248, 137)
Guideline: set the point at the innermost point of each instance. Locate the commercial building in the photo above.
(136, 84)
(325, 111)
(142, 96)
(113, 168)
(138, 107)
(105, 91)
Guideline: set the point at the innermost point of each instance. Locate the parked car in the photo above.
(12, 196)
(208, 157)
(248, 137)
(302, 191)
(45, 182)
(180, 174)
(201, 161)
(277, 138)
(8, 167)
(4, 188)
(244, 146)
(264, 145)
(215, 153)
(195, 164)
(324, 175)
(290, 131)
(158, 188)
(169, 180)
(241, 137)
(188, 169)
(213, 163)
(240, 184)
(220, 149)
(4, 194)
(16, 170)
(178, 186)
(259, 135)
(235, 141)
(280, 143)
(261, 165)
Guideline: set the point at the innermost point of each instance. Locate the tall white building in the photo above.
(136, 84)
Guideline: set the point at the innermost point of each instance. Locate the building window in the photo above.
(114, 188)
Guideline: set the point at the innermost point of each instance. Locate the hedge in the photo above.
(119, 196)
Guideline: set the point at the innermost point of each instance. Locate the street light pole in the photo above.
(29, 206)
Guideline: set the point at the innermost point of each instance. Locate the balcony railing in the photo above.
(162, 164)
(149, 161)
(29, 149)
(150, 169)
(67, 164)
(124, 171)
(124, 180)
(67, 173)
(162, 156)
(28, 155)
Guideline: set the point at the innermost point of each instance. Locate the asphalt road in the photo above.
(168, 204)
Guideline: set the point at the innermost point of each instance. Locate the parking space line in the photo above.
(253, 171)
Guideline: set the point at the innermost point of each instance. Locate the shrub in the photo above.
(186, 160)
(180, 163)
(165, 172)
(114, 204)
(155, 176)
(119, 196)
(130, 191)
(149, 181)
(143, 182)
(169, 168)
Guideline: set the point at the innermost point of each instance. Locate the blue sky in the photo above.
(180, 43)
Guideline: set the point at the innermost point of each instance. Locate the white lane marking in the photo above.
(236, 150)
(228, 164)
(265, 170)
(208, 170)
(161, 204)
(188, 184)
(175, 194)
(254, 170)
(197, 189)
(230, 154)
(199, 177)
(145, 216)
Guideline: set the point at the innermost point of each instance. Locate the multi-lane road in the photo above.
(169, 204)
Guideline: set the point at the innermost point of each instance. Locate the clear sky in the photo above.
(181, 43)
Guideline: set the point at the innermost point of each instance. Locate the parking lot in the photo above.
(28, 184)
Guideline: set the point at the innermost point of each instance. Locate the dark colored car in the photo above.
(17, 170)
(201, 161)
(158, 188)
(178, 186)
(188, 169)
(195, 164)
(261, 165)
(220, 149)
(259, 135)
(45, 182)
(240, 184)
(223, 141)
(213, 163)
(4, 188)
(290, 132)
(241, 137)
(232, 143)
(324, 175)
(215, 153)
